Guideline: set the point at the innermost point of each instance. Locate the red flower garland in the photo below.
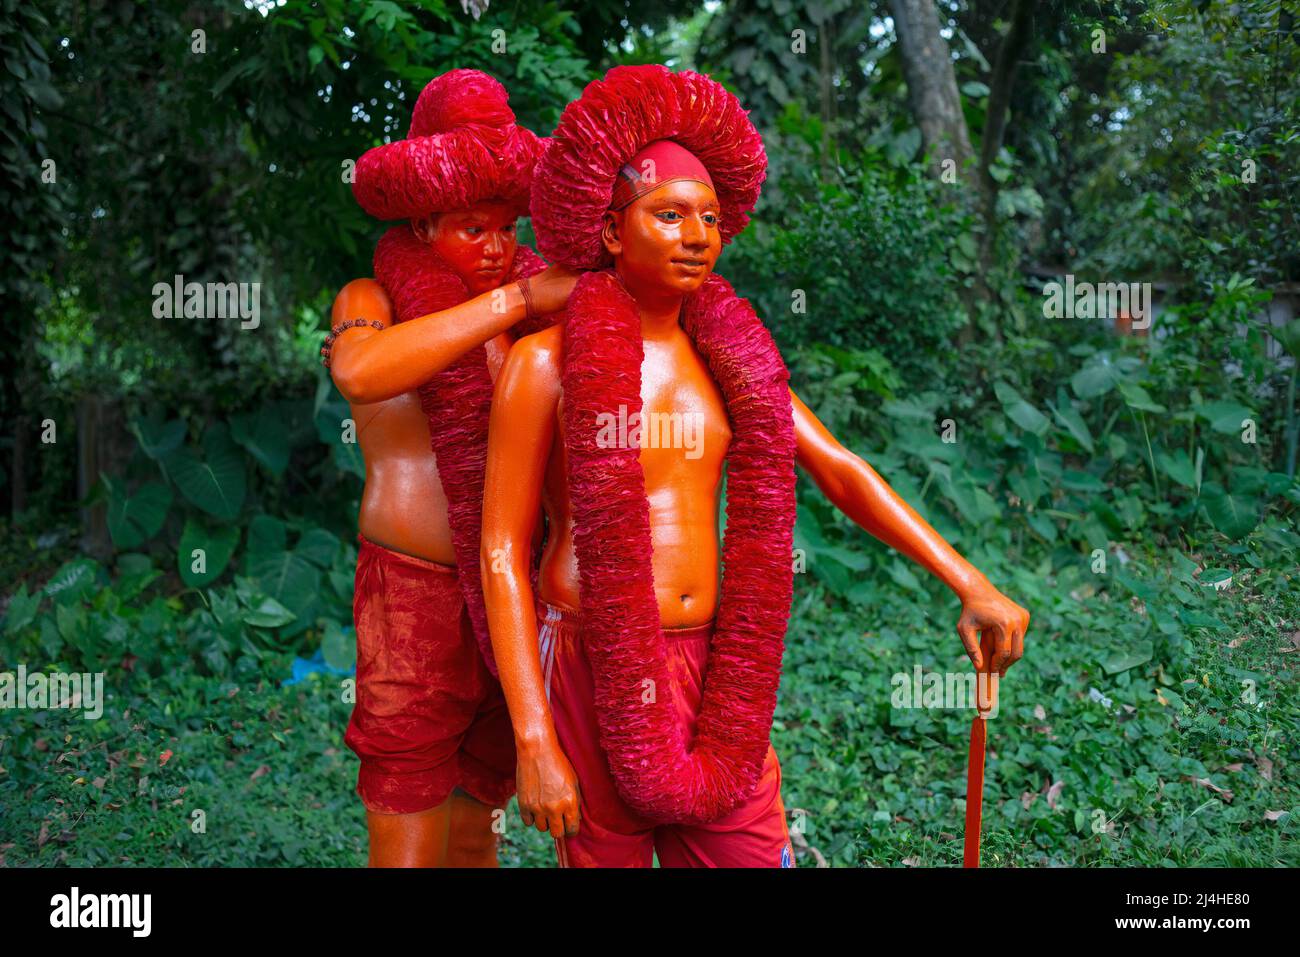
(457, 400)
(657, 771)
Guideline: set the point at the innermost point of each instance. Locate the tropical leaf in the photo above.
(158, 439)
(216, 483)
(133, 520)
(22, 609)
(1178, 465)
(1232, 513)
(268, 613)
(1225, 417)
(73, 580)
(216, 546)
(1123, 660)
(265, 436)
(1070, 419)
(1019, 410)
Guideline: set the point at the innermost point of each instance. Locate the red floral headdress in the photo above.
(464, 148)
(614, 118)
(659, 771)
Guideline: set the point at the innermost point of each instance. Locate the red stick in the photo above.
(974, 792)
(986, 695)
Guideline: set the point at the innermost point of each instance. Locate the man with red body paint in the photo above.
(430, 725)
(663, 233)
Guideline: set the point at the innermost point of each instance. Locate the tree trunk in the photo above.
(95, 539)
(931, 84)
(995, 121)
(18, 468)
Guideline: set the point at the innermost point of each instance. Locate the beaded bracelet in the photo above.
(338, 330)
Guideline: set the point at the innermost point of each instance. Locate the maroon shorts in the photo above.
(429, 716)
(611, 834)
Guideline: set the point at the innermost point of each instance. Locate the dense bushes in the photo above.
(873, 260)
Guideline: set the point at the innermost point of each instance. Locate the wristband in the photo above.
(338, 330)
(526, 291)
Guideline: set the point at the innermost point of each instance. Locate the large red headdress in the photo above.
(615, 118)
(463, 148)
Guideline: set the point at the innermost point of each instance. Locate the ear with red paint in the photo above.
(609, 234)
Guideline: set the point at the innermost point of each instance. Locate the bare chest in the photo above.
(683, 430)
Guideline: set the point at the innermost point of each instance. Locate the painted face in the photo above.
(666, 242)
(478, 242)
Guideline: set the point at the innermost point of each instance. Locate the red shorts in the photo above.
(610, 833)
(429, 716)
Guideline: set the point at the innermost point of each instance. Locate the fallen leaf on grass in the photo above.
(1028, 798)
(1268, 816)
(1054, 794)
(1039, 713)
(262, 769)
(1265, 767)
(1207, 783)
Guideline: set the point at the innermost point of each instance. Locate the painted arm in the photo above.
(520, 433)
(371, 365)
(856, 490)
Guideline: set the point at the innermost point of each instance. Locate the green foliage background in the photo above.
(1137, 494)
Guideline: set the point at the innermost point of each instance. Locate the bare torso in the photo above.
(403, 506)
(682, 484)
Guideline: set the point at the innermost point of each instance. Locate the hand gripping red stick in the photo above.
(986, 695)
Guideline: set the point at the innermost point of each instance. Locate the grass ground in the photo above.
(1152, 722)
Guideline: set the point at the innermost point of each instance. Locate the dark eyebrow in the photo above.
(681, 204)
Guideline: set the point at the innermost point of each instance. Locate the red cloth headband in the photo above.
(662, 162)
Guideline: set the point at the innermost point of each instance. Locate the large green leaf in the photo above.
(1225, 417)
(1019, 410)
(268, 613)
(73, 580)
(972, 500)
(287, 575)
(338, 647)
(266, 535)
(22, 609)
(133, 520)
(330, 418)
(158, 439)
(318, 546)
(1097, 377)
(265, 436)
(1068, 416)
(215, 483)
(216, 544)
(1123, 660)
(1136, 397)
(1289, 336)
(1232, 513)
(1178, 465)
